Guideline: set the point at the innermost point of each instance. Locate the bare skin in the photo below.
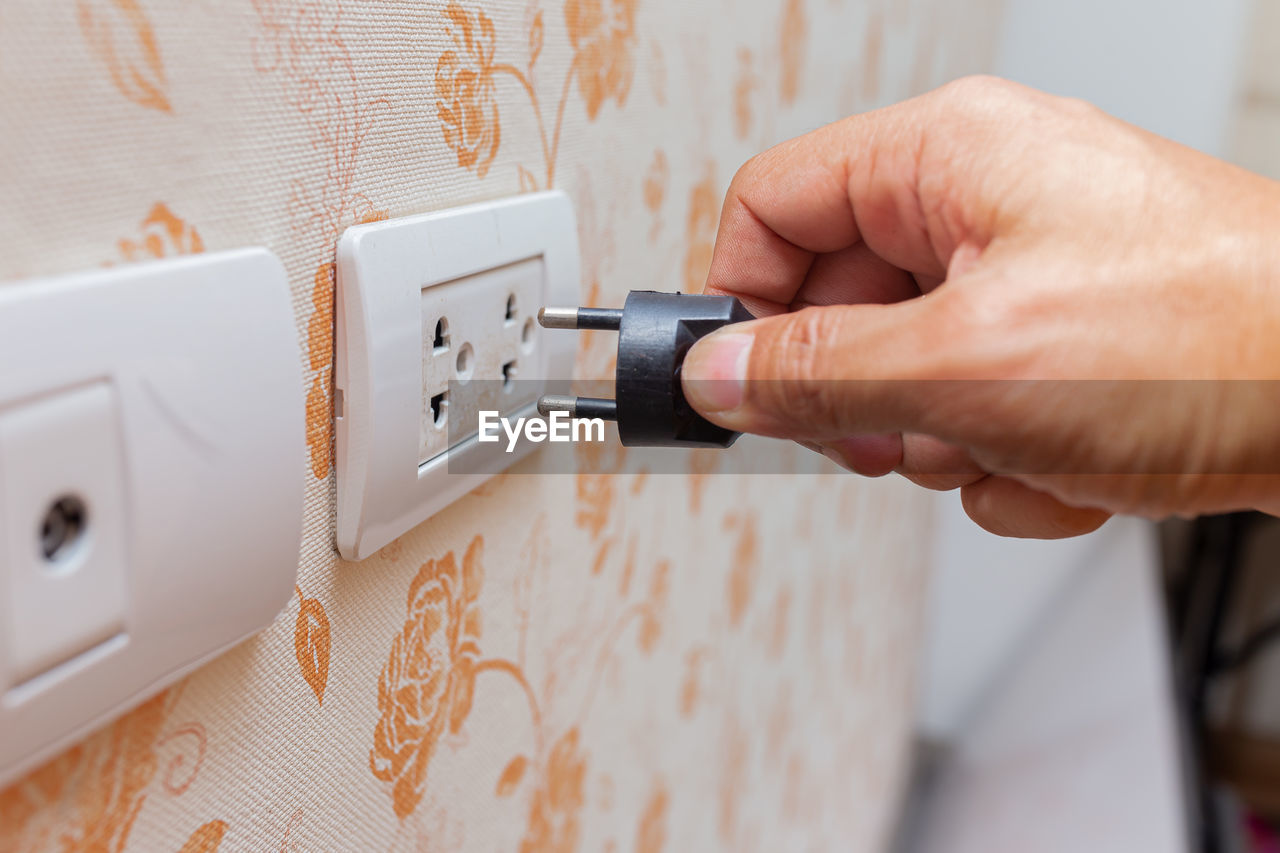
(989, 232)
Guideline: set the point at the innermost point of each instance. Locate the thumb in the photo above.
(826, 373)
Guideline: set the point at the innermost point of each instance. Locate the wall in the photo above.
(683, 662)
(1076, 747)
(1170, 66)
(1255, 134)
(1174, 68)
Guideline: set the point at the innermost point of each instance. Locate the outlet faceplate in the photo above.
(478, 330)
(152, 446)
(427, 305)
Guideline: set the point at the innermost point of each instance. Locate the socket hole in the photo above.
(465, 363)
(526, 333)
(508, 375)
(63, 528)
(511, 307)
(440, 409)
(441, 340)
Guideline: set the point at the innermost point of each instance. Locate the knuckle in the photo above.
(1078, 108)
(980, 88)
(990, 105)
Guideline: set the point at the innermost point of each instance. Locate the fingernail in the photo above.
(715, 370)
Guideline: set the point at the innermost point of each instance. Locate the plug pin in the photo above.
(578, 407)
(601, 319)
(655, 331)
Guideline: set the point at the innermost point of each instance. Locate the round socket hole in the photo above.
(441, 340)
(511, 307)
(526, 334)
(465, 363)
(63, 528)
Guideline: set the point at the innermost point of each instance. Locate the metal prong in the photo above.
(578, 407)
(602, 319)
(558, 318)
(556, 403)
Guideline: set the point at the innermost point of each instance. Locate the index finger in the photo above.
(853, 181)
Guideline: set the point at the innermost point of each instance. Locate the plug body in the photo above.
(655, 332)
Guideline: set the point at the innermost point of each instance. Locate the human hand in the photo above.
(1073, 248)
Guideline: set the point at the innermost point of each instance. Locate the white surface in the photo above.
(1075, 748)
(986, 595)
(1170, 66)
(169, 396)
(393, 278)
(475, 308)
(67, 444)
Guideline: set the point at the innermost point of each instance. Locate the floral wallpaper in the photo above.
(559, 662)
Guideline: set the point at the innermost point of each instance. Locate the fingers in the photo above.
(936, 465)
(824, 374)
(853, 276)
(922, 459)
(999, 505)
(1006, 507)
(795, 201)
(868, 455)
(891, 179)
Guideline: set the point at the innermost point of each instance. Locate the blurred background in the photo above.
(1119, 692)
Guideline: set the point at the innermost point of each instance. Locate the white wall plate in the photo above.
(152, 447)
(484, 270)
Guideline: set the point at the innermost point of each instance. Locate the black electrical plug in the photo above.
(655, 332)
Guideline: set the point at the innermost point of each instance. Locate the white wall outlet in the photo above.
(152, 446)
(426, 301)
(480, 327)
(63, 517)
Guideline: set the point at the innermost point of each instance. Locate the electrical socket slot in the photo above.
(436, 322)
(476, 330)
(63, 517)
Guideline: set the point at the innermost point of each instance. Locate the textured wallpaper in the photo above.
(594, 662)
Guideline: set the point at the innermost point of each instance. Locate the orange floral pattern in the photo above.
(743, 88)
(792, 33)
(163, 235)
(603, 34)
(603, 40)
(655, 190)
(120, 35)
(690, 687)
(626, 659)
(555, 812)
(733, 776)
(298, 40)
(651, 834)
(427, 684)
(704, 216)
(651, 622)
(742, 571)
(320, 356)
(110, 778)
(206, 839)
(101, 785)
(467, 102)
(311, 644)
(872, 56)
